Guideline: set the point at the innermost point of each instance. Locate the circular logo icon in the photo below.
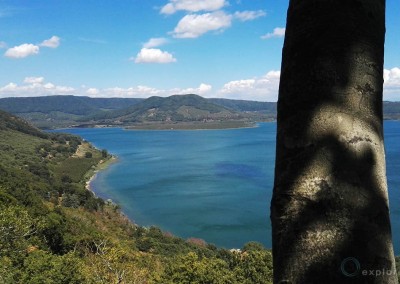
(350, 266)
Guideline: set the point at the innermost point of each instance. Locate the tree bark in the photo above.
(329, 211)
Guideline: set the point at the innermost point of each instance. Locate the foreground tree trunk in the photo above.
(329, 211)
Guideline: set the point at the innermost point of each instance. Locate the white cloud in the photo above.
(49, 86)
(202, 90)
(249, 15)
(34, 80)
(391, 86)
(278, 32)
(155, 42)
(10, 87)
(153, 55)
(52, 42)
(193, 26)
(263, 88)
(192, 6)
(145, 91)
(27, 49)
(32, 87)
(22, 51)
(92, 91)
(131, 92)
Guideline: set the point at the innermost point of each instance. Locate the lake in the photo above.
(209, 184)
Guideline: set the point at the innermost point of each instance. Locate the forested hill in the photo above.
(174, 108)
(68, 104)
(67, 111)
(9, 122)
(243, 105)
(53, 230)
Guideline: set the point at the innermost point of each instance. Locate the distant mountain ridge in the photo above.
(67, 111)
(67, 104)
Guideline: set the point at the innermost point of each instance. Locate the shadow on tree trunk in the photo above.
(329, 212)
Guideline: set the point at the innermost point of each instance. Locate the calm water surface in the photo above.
(215, 184)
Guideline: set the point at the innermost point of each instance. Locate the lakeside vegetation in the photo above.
(53, 230)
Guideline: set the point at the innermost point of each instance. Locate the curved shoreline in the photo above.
(101, 166)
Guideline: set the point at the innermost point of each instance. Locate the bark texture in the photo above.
(329, 211)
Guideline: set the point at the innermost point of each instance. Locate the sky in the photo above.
(142, 48)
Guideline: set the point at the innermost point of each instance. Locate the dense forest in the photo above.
(54, 230)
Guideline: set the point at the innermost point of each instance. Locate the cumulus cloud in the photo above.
(131, 92)
(22, 51)
(153, 55)
(391, 86)
(37, 86)
(32, 87)
(52, 42)
(155, 42)
(278, 32)
(193, 26)
(264, 88)
(27, 49)
(92, 92)
(146, 91)
(192, 6)
(249, 15)
(202, 90)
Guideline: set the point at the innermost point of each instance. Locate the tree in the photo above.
(329, 211)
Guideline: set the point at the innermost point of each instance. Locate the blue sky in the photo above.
(141, 48)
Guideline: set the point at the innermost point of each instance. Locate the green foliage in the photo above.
(254, 267)
(88, 155)
(253, 246)
(42, 267)
(53, 230)
(16, 227)
(192, 269)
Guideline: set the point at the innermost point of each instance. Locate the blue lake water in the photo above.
(210, 184)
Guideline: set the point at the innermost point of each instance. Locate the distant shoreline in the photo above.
(193, 125)
(102, 165)
(220, 125)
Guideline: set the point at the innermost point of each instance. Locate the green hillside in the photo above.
(61, 111)
(67, 104)
(173, 108)
(54, 230)
(243, 105)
